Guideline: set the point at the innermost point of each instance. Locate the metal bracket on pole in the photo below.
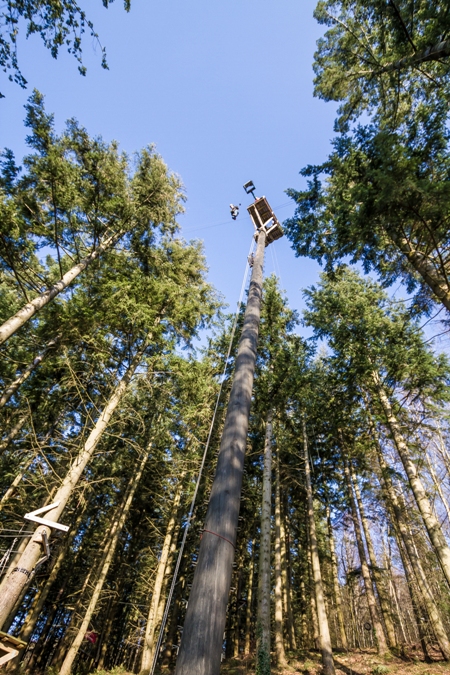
(46, 556)
(33, 516)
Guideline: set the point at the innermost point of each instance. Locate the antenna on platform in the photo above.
(250, 188)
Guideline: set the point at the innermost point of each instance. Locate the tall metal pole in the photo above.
(201, 644)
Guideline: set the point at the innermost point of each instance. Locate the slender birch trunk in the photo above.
(279, 642)
(263, 611)
(14, 386)
(382, 647)
(114, 535)
(432, 525)
(377, 580)
(336, 588)
(148, 648)
(19, 577)
(399, 518)
(29, 310)
(324, 632)
(248, 609)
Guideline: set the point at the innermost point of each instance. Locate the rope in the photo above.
(220, 537)
(202, 466)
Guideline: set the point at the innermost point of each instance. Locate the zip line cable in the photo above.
(202, 465)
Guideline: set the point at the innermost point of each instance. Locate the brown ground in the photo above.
(351, 663)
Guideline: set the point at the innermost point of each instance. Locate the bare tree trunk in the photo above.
(114, 534)
(29, 310)
(432, 525)
(14, 386)
(286, 585)
(248, 609)
(324, 632)
(378, 581)
(201, 643)
(433, 53)
(399, 520)
(279, 643)
(148, 648)
(437, 485)
(312, 594)
(336, 588)
(424, 267)
(19, 578)
(263, 610)
(382, 647)
(304, 626)
(14, 432)
(16, 482)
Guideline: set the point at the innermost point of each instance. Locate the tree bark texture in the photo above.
(376, 576)
(263, 611)
(201, 644)
(382, 647)
(336, 588)
(279, 641)
(324, 631)
(432, 525)
(148, 647)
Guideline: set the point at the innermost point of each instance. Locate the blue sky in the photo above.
(224, 90)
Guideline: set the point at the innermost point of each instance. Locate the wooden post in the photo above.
(201, 643)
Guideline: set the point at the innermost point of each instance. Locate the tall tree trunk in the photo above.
(114, 535)
(19, 578)
(382, 647)
(286, 585)
(432, 525)
(41, 596)
(29, 310)
(433, 53)
(148, 648)
(201, 644)
(424, 267)
(173, 626)
(263, 610)
(14, 386)
(437, 485)
(378, 581)
(336, 588)
(324, 632)
(312, 593)
(248, 609)
(279, 643)
(16, 482)
(14, 432)
(400, 522)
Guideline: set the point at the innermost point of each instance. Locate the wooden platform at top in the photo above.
(263, 217)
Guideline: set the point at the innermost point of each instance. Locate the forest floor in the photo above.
(347, 663)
